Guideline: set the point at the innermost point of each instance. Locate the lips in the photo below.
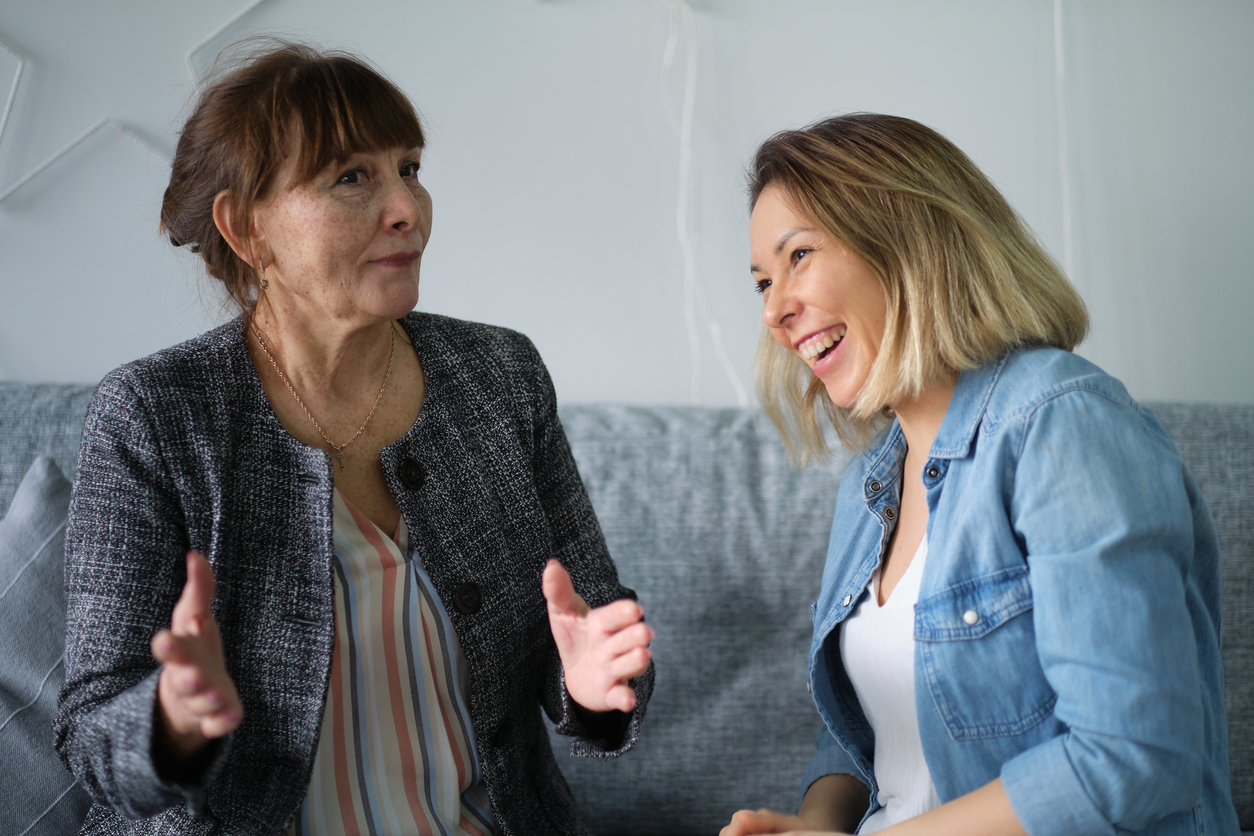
(812, 347)
(399, 259)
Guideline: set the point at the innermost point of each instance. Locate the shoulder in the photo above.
(1061, 395)
(444, 336)
(193, 367)
(462, 355)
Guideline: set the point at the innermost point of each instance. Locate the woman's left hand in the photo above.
(601, 649)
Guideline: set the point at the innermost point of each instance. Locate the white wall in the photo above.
(554, 165)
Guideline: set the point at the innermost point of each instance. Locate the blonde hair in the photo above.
(965, 280)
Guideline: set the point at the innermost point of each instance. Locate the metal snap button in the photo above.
(970, 616)
(890, 513)
(809, 687)
(875, 487)
(933, 472)
(468, 599)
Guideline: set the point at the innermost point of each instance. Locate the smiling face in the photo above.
(820, 300)
(348, 243)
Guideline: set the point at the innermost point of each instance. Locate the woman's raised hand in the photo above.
(601, 649)
(196, 697)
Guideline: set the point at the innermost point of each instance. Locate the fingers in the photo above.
(559, 592)
(192, 610)
(621, 698)
(748, 822)
(616, 615)
(194, 692)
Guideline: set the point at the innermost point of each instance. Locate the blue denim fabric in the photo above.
(1067, 629)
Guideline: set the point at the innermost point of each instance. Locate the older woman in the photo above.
(310, 551)
(1018, 628)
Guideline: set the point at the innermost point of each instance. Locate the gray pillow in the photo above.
(39, 796)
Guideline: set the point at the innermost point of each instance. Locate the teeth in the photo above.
(813, 347)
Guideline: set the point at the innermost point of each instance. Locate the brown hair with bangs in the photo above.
(964, 278)
(264, 101)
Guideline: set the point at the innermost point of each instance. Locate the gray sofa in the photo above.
(724, 543)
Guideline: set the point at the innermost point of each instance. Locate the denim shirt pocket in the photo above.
(977, 649)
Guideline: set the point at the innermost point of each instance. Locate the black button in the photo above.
(890, 513)
(501, 736)
(875, 487)
(411, 474)
(933, 472)
(468, 599)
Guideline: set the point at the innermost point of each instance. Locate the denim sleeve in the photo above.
(1100, 502)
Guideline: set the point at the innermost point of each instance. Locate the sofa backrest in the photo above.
(724, 542)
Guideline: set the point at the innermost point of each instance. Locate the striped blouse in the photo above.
(396, 754)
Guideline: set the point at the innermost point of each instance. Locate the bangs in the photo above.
(329, 110)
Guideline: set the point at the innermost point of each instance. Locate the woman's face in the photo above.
(349, 242)
(821, 301)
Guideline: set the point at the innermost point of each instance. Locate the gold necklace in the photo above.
(338, 449)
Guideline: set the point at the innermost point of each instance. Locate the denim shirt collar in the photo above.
(966, 410)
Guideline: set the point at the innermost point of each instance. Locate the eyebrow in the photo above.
(779, 246)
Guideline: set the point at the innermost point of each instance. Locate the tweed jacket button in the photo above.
(411, 474)
(468, 599)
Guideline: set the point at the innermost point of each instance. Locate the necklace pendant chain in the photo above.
(338, 449)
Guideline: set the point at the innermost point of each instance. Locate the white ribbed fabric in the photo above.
(877, 647)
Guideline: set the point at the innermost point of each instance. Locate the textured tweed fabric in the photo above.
(181, 450)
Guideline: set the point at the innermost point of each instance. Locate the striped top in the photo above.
(396, 754)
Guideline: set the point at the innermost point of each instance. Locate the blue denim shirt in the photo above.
(1067, 628)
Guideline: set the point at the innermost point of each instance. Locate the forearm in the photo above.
(983, 812)
(835, 803)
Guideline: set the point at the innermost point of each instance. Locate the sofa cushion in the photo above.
(39, 796)
(724, 543)
(39, 419)
(1216, 441)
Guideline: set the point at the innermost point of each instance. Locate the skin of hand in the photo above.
(196, 700)
(832, 804)
(601, 649)
(982, 812)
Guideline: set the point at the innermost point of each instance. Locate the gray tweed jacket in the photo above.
(181, 450)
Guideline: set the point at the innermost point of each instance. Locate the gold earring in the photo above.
(261, 265)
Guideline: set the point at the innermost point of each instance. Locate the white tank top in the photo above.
(877, 647)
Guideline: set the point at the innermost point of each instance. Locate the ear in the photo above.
(248, 246)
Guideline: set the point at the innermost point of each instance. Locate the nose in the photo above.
(405, 206)
(781, 305)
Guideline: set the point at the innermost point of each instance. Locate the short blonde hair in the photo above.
(965, 280)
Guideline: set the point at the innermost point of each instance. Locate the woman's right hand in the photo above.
(196, 699)
(749, 822)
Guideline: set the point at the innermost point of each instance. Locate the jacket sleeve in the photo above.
(1101, 503)
(580, 546)
(124, 570)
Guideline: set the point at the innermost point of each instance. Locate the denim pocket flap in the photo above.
(973, 608)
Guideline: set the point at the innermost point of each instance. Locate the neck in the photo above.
(327, 355)
(921, 417)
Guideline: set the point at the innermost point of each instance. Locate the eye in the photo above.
(800, 253)
(410, 169)
(351, 177)
(761, 285)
